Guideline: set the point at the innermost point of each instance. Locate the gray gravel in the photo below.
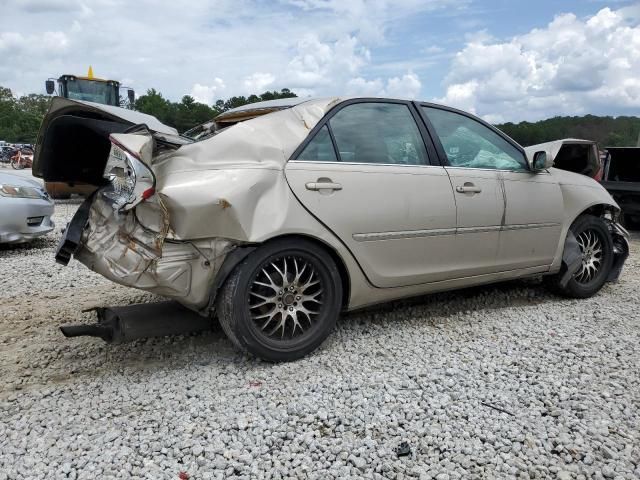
(505, 381)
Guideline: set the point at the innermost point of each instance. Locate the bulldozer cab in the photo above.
(106, 92)
(89, 88)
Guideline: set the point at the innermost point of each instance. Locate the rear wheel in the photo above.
(596, 248)
(282, 301)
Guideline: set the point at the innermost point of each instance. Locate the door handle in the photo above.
(323, 186)
(468, 188)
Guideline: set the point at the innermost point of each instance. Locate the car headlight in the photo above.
(17, 191)
(131, 181)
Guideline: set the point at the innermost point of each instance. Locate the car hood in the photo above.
(18, 180)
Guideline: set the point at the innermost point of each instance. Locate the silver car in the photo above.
(279, 215)
(25, 209)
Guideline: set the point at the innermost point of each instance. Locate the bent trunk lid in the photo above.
(73, 141)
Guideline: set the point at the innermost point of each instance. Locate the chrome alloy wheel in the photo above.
(285, 297)
(591, 248)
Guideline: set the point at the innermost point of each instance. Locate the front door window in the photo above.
(470, 144)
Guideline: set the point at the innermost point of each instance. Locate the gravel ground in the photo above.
(504, 381)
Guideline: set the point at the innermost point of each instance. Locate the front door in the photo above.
(366, 175)
(508, 217)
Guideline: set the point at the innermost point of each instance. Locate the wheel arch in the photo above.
(597, 208)
(345, 277)
(241, 252)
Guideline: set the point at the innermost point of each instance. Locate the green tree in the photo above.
(153, 103)
(606, 131)
(20, 118)
(190, 113)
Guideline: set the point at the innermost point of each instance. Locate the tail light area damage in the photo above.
(125, 228)
(168, 211)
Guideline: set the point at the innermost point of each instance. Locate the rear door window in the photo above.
(320, 148)
(377, 132)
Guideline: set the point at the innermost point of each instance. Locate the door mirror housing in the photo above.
(50, 86)
(540, 160)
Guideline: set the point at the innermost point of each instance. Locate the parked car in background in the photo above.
(573, 155)
(278, 218)
(621, 178)
(6, 152)
(25, 209)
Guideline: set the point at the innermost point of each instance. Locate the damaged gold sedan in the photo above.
(276, 216)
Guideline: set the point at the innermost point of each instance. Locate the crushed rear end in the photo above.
(122, 230)
(170, 213)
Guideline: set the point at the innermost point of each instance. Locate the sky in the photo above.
(505, 60)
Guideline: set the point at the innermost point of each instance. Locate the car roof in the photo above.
(278, 103)
(252, 110)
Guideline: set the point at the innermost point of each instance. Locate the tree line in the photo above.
(20, 118)
(607, 131)
(188, 113)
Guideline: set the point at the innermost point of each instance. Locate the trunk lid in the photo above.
(73, 142)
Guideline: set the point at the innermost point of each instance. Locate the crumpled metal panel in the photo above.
(128, 252)
(233, 185)
(210, 196)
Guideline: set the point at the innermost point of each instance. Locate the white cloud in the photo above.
(258, 82)
(38, 6)
(15, 44)
(572, 66)
(361, 86)
(407, 86)
(336, 67)
(314, 47)
(321, 64)
(207, 93)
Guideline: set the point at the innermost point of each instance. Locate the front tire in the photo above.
(282, 301)
(596, 247)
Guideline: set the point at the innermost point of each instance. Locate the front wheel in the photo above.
(596, 249)
(282, 301)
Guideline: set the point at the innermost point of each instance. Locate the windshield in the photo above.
(92, 91)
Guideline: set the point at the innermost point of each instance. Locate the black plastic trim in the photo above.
(70, 241)
(228, 265)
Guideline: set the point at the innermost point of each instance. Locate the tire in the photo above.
(593, 235)
(262, 317)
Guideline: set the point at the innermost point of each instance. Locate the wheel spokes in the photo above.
(285, 297)
(591, 249)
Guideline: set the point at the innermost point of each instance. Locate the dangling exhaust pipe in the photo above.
(123, 324)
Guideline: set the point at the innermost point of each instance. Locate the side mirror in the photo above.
(50, 86)
(131, 95)
(541, 160)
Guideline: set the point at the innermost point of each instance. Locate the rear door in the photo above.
(365, 173)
